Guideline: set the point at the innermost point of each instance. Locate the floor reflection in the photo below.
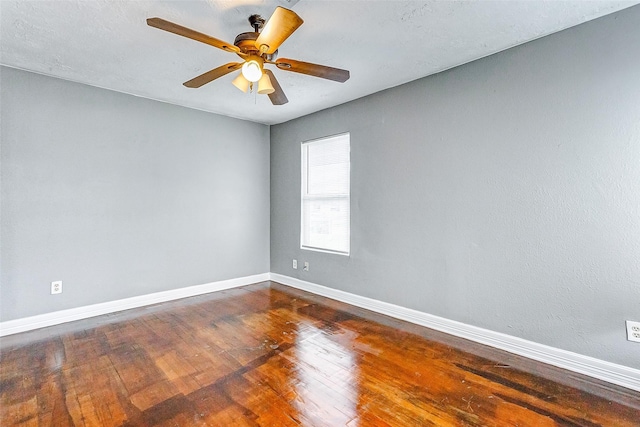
(326, 377)
(267, 355)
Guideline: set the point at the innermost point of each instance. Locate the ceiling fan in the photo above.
(256, 48)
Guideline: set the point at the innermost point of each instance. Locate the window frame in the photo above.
(305, 196)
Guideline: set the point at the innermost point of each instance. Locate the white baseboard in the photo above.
(596, 368)
(49, 319)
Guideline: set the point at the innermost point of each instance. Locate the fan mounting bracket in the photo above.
(257, 22)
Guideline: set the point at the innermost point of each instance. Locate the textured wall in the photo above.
(120, 196)
(504, 193)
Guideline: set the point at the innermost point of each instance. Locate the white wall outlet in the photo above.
(295, 264)
(306, 266)
(633, 331)
(56, 287)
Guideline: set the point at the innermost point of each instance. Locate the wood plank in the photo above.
(268, 355)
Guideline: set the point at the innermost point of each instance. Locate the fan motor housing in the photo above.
(247, 44)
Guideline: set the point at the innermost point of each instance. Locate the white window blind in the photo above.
(325, 195)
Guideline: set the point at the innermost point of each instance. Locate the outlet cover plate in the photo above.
(56, 287)
(633, 331)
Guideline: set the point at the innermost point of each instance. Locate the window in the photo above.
(325, 195)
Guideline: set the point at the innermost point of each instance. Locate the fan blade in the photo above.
(279, 27)
(277, 97)
(191, 34)
(210, 76)
(322, 71)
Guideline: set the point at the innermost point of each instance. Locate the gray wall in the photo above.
(504, 193)
(120, 196)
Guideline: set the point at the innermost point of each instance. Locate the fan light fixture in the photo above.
(256, 49)
(252, 70)
(264, 85)
(241, 83)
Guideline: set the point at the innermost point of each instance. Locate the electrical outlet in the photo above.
(56, 287)
(295, 264)
(633, 331)
(306, 266)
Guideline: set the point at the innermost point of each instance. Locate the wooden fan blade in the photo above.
(191, 34)
(322, 71)
(277, 97)
(279, 27)
(210, 76)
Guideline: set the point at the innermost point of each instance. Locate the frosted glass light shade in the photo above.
(251, 70)
(264, 85)
(241, 83)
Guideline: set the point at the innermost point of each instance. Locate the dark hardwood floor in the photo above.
(269, 355)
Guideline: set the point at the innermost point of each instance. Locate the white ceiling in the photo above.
(107, 43)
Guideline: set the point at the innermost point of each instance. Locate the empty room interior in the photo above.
(320, 213)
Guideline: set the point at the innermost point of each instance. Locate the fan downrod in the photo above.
(257, 22)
